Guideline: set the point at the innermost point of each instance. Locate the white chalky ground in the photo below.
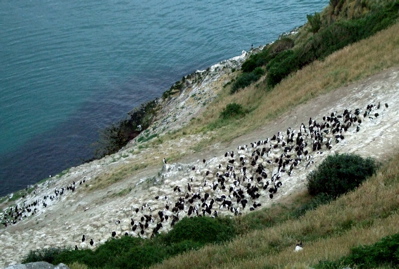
(65, 219)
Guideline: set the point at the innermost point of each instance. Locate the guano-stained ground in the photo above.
(94, 213)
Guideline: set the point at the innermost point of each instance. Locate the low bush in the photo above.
(315, 22)
(140, 257)
(202, 230)
(252, 67)
(281, 66)
(268, 53)
(246, 79)
(232, 110)
(339, 173)
(183, 246)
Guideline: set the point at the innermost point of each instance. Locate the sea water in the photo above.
(70, 68)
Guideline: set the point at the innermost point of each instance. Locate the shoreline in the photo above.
(194, 77)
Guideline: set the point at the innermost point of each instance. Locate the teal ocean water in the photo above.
(70, 68)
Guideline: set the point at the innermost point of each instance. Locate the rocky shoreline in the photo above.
(65, 189)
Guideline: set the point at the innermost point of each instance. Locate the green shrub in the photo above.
(281, 66)
(314, 22)
(202, 230)
(339, 174)
(183, 246)
(140, 257)
(81, 256)
(131, 252)
(250, 64)
(383, 253)
(232, 110)
(256, 60)
(278, 46)
(330, 39)
(267, 54)
(246, 79)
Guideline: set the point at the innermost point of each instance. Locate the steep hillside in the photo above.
(98, 198)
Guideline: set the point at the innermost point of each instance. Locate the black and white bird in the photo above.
(298, 246)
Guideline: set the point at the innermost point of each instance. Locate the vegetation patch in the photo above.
(116, 136)
(329, 39)
(383, 253)
(339, 174)
(232, 110)
(328, 35)
(202, 230)
(252, 67)
(247, 79)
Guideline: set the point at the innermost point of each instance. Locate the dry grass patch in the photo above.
(114, 175)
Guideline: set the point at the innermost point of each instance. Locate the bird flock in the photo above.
(240, 180)
(29, 207)
(232, 184)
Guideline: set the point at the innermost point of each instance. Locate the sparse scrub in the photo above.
(339, 174)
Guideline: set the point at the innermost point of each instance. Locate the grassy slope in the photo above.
(330, 231)
(350, 64)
